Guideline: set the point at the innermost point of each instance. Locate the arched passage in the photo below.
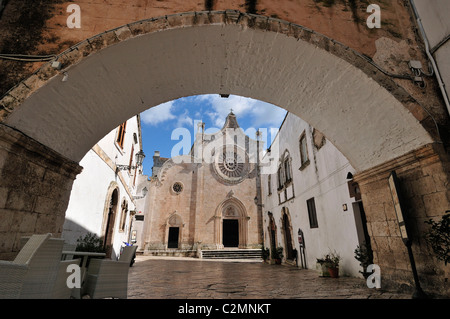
(54, 117)
(122, 72)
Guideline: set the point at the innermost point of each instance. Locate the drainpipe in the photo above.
(430, 56)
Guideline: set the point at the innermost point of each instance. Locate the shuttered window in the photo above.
(312, 213)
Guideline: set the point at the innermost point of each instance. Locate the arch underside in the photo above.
(367, 123)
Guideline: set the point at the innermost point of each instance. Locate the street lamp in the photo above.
(139, 159)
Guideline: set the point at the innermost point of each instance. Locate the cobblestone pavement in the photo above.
(189, 278)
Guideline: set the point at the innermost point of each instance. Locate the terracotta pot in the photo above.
(334, 272)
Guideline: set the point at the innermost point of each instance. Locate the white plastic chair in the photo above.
(107, 279)
(33, 272)
(60, 289)
(128, 253)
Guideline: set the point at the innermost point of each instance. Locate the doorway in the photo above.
(109, 223)
(230, 233)
(288, 237)
(174, 233)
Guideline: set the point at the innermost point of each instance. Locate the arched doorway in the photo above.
(230, 228)
(174, 230)
(231, 224)
(287, 235)
(109, 219)
(272, 232)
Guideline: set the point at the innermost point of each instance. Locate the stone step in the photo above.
(232, 254)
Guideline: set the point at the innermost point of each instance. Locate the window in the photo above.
(177, 187)
(303, 151)
(280, 176)
(312, 213)
(287, 170)
(121, 134)
(269, 185)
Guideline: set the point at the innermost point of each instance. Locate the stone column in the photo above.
(424, 184)
(35, 187)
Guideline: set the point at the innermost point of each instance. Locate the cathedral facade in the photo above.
(207, 199)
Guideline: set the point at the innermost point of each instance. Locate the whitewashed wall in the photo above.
(86, 207)
(325, 180)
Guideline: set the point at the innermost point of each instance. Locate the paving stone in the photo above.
(189, 278)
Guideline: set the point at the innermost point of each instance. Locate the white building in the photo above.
(102, 200)
(309, 196)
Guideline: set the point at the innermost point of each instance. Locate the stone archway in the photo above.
(217, 52)
(50, 120)
(232, 214)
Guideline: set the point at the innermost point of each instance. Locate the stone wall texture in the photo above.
(424, 186)
(35, 186)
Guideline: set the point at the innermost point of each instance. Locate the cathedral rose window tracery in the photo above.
(177, 187)
(231, 164)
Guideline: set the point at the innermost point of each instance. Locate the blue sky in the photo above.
(159, 122)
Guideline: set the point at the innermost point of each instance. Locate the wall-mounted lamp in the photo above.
(139, 160)
(144, 193)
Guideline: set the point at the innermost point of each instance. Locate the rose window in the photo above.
(231, 165)
(177, 187)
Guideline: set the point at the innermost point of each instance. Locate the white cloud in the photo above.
(158, 114)
(267, 115)
(254, 113)
(260, 114)
(185, 119)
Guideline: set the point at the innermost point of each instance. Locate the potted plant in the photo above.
(331, 263)
(438, 237)
(277, 255)
(363, 254)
